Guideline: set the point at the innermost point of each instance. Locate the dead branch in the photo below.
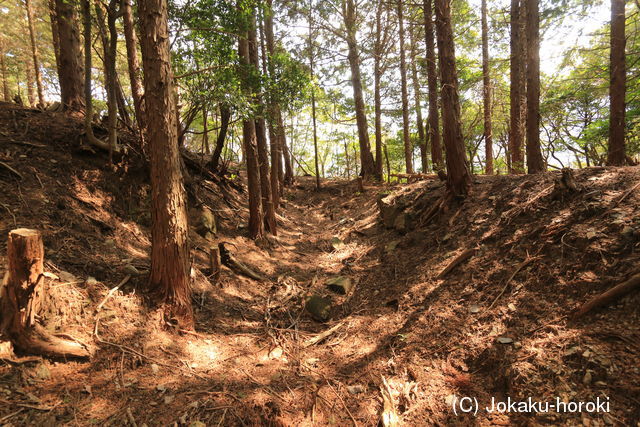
(321, 336)
(465, 255)
(625, 195)
(520, 266)
(12, 170)
(28, 144)
(111, 292)
(611, 295)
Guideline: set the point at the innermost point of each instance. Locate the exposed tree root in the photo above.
(609, 296)
(465, 255)
(229, 260)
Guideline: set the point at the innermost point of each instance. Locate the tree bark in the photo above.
(225, 119)
(31, 92)
(55, 34)
(313, 104)
(133, 64)
(535, 162)
(432, 80)
(169, 246)
(422, 141)
(486, 79)
(377, 76)
(366, 158)
(515, 131)
(261, 138)
(249, 141)
(70, 72)
(617, 88)
(3, 69)
(23, 295)
(406, 135)
(458, 177)
(34, 51)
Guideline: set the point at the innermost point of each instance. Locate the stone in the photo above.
(391, 246)
(319, 307)
(91, 281)
(505, 340)
(42, 372)
(340, 284)
(403, 222)
(130, 269)
(337, 243)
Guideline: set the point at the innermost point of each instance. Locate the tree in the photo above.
(517, 83)
(617, 89)
(133, 65)
(70, 71)
(350, 22)
(380, 49)
(458, 177)
(408, 149)
(535, 163)
(486, 92)
(422, 141)
(169, 246)
(432, 81)
(34, 51)
(313, 103)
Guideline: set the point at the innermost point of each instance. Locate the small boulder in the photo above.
(319, 308)
(340, 284)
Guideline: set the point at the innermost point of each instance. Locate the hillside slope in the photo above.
(500, 324)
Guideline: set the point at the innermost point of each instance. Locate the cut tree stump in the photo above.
(23, 295)
(215, 263)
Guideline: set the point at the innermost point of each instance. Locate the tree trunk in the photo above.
(70, 72)
(366, 158)
(406, 136)
(535, 162)
(23, 295)
(131, 41)
(250, 144)
(422, 141)
(31, 92)
(261, 138)
(515, 130)
(169, 245)
(34, 51)
(458, 177)
(486, 78)
(288, 164)
(225, 119)
(377, 76)
(313, 104)
(617, 90)
(6, 95)
(55, 34)
(432, 81)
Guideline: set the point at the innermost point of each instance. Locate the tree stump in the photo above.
(22, 296)
(215, 263)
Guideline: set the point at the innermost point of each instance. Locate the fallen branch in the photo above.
(229, 260)
(28, 144)
(321, 336)
(520, 266)
(625, 195)
(465, 255)
(111, 292)
(611, 295)
(12, 170)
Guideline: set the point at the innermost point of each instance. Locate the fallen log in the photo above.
(610, 296)
(465, 255)
(23, 296)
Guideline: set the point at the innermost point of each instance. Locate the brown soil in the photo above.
(250, 361)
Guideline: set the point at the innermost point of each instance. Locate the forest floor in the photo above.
(406, 340)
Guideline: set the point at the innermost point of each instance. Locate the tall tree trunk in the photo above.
(70, 71)
(261, 138)
(486, 79)
(225, 119)
(377, 76)
(515, 130)
(88, 100)
(276, 128)
(31, 90)
(34, 51)
(366, 158)
(6, 95)
(55, 34)
(617, 88)
(432, 81)
(458, 177)
(169, 246)
(313, 104)
(131, 41)
(422, 141)
(535, 162)
(250, 144)
(406, 135)
(288, 163)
